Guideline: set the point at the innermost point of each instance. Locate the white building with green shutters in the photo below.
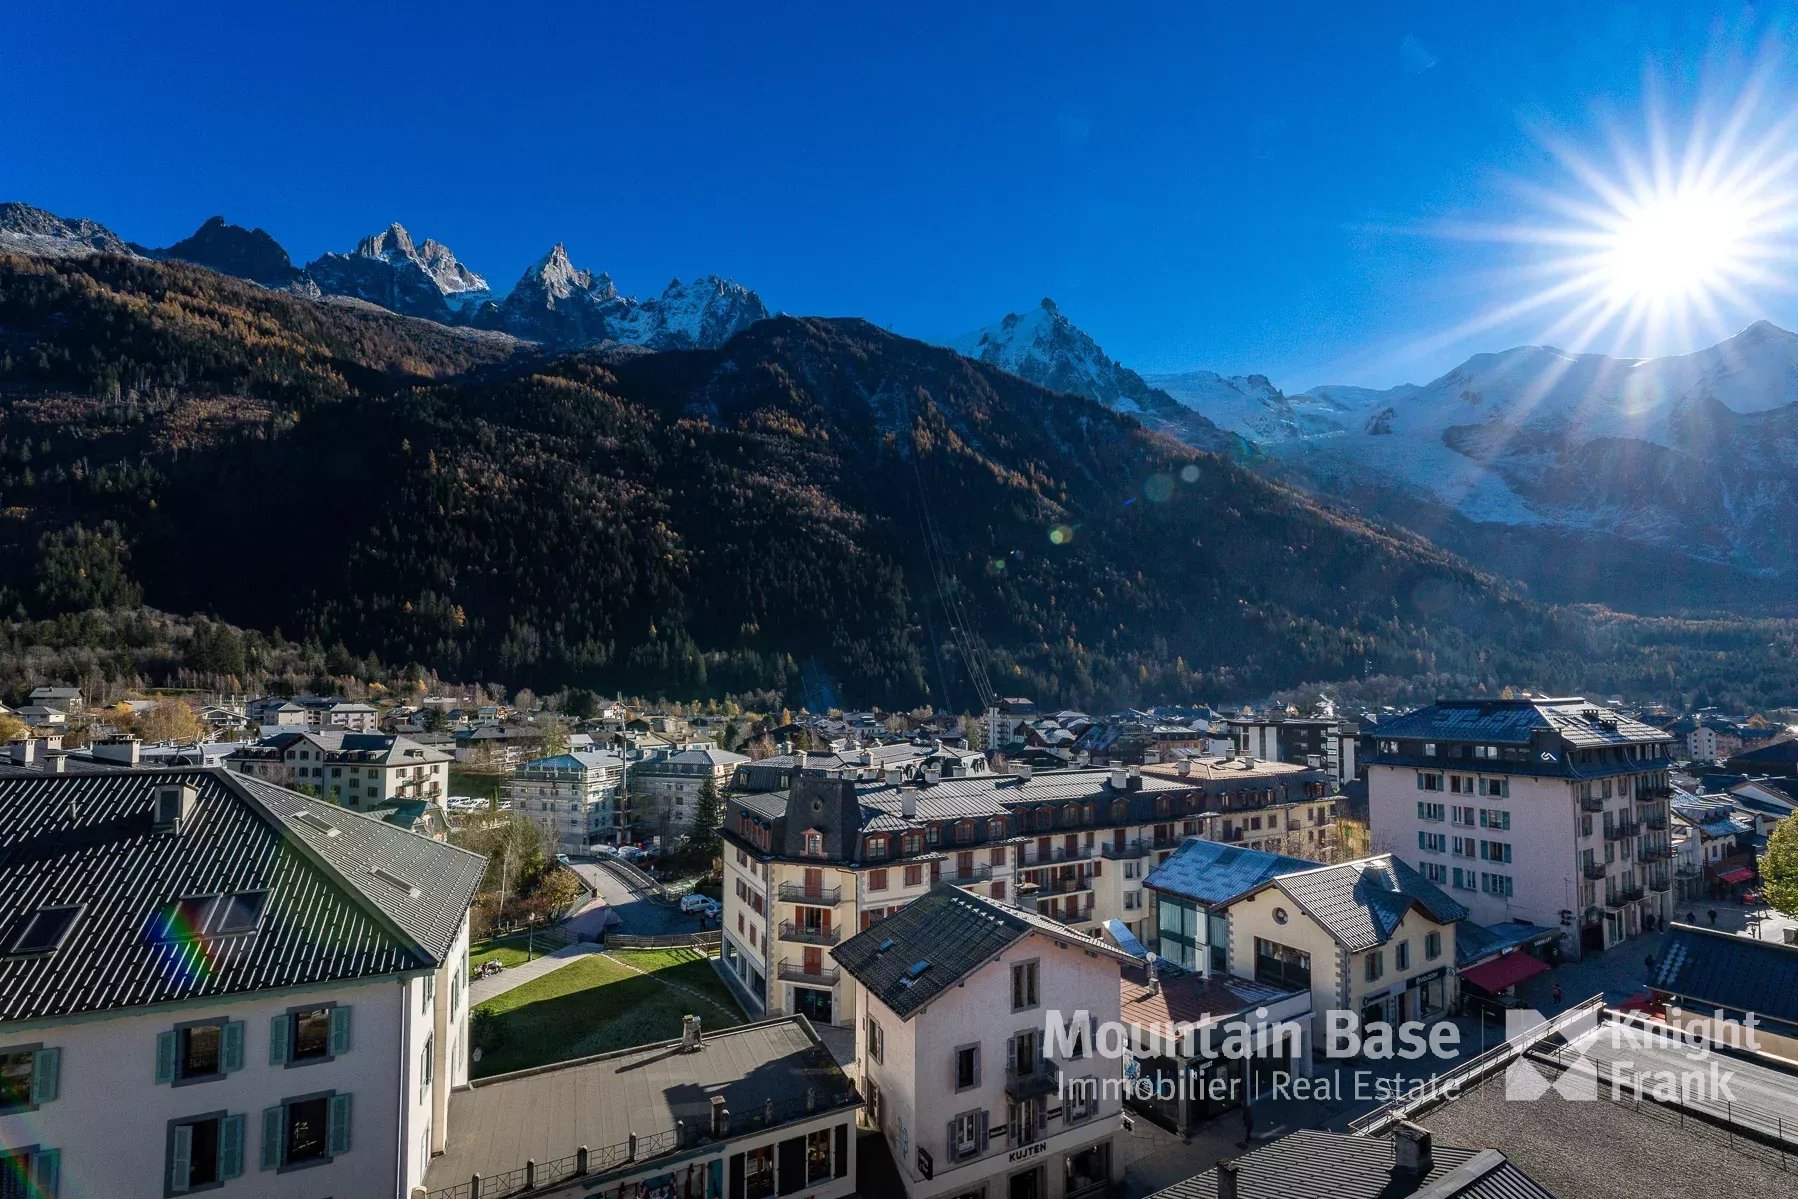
(211, 984)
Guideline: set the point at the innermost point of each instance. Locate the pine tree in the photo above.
(1779, 867)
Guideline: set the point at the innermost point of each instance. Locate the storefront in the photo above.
(1087, 1171)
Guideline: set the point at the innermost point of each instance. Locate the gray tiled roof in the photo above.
(86, 838)
(1325, 1165)
(951, 932)
(1514, 722)
(1212, 872)
(1361, 903)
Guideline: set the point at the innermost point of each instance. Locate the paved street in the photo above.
(635, 910)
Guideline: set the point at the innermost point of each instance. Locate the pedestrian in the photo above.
(1248, 1124)
(1556, 993)
(1712, 914)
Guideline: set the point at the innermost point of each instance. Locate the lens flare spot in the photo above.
(1159, 488)
(1061, 535)
(1189, 473)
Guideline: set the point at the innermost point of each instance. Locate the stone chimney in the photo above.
(1412, 1155)
(23, 751)
(690, 1035)
(720, 1118)
(1226, 1180)
(1026, 896)
(1023, 772)
(1119, 779)
(895, 777)
(122, 749)
(908, 802)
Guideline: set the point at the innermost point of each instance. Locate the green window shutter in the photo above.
(273, 1151)
(337, 1137)
(166, 1047)
(231, 1047)
(340, 1030)
(280, 1030)
(46, 1076)
(231, 1147)
(181, 1157)
(46, 1167)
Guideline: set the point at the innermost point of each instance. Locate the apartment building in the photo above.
(1550, 811)
(209, 983)
(357, 770)
(811, 865)
(1325, 741)
(665, 788)
(958, 1070)
(577, 799)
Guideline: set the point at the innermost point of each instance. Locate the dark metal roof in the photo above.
(88, 838)
(941, 937)
(1714, 969)
(1324, 1165)
(1516, 722)
(1211, 872)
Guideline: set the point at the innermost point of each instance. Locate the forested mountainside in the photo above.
(815, 495)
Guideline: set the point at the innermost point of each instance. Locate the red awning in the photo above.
(1507, 971)
(1741, 874)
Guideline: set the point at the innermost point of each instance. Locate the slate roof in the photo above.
(950, 933)
(1211, 872)
(1780, 756)
(1361, 903)
(1326, 1165)
(1515, 722)
(345, 747)
(1186, 997)
(1474, 943)
(575, 760)
(87, 837)
(1718, 969)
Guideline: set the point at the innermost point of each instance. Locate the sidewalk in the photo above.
(481, 990)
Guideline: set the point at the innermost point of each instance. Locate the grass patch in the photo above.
(595, 1005)
(509, 951)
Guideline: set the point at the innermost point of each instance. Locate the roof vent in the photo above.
(314, 821)
(913, 973)
(174, 806)
(884, 945)
(393, 879)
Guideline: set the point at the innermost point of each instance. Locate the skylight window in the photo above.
(44, 930)
(393, 879)
(184, 919)
(313, 820)
(240, 913)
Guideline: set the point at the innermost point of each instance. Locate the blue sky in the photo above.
(1239, 187)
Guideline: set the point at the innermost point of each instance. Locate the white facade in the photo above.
(120, 1118)
(575, 798)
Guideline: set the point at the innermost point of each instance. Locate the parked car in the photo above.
(695, 902)
(562, 859)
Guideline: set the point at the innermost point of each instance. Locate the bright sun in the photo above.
(1673, 247)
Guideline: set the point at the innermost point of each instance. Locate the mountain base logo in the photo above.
(1584, 1056)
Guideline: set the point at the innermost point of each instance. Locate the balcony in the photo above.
(1655, 822)
(1064, 886)
(1034, 1082)
(827, 897)
(1593, 870)
(973, 874)
(1655, 852)
(801, 934)
(799, 972)
(1660, 882)
(1621, 830)
(1083, 916)
(1591, 803)
(1619, 897)
(1128, 851)
(1033, 856)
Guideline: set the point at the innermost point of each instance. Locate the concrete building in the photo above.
(356, 770)
(210, 983)
(1318, 741)
(959, 1072)
(758, 1110)
(1551, 811)
(577, 799)
(1000, 725)
(665, 789)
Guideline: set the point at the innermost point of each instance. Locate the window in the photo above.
(914, 875)
(1462, 878)
(29, 1075)
(877, 1041)
(1432, 946)
(814, 843)
(309, 1034)
(877, 880)
(1430, 811)
(305, 1131)
(967, 1067)
(967, 1135)
(1461, 815)
(1376, 965)
(817, 1156)
(1023, 986)
(1402, 956)
(1495, 818)
(427, 992)
(1495, 851)
(1081, 1104)
(30, 1174)
(1281, 965)
(1428, 782)
(1496, 884)
(43, 931)
(199, 1052)
(1495, 788)
(204, 1151)
(758, 1173)
(1436, 872)
(1432, 842)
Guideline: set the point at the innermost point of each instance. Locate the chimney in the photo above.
(932, 774)
(56, 763)
(867, 758)
(1226, 1180)
(720, 1118)
(908, 803)
(1023, 772)
(1026, 893)
(174, 804)
(895, 777)
(1154, 974)
(1185, 768)
(689, 1034)
(122, 749)
(1119, 779)
(23, 751)
(1248, 761)
(799, 761)
(49, 742)
(1411, 1152)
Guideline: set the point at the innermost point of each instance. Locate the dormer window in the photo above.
(814, 843)
(876, 846)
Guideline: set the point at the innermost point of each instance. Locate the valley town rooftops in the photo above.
(199, 882)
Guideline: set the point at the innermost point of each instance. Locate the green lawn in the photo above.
(595, 1005)
(507, 951)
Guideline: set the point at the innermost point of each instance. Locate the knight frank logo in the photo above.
(1575, 1077)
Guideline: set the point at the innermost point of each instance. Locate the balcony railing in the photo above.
(799, 972)
(800, 893)
(1081, 916)
(1032, 1082)
(1655, 822)
(1591, 803)
(1128, 850)
(1621, 830)
(1593, 870)
(1064, 886)
(1660, 882)
(805, 935)
(973, 874)
(1655, 851)
(1034, 856)
(1619, 897)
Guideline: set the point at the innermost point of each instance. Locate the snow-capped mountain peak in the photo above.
(556, 276)
(28, 230)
